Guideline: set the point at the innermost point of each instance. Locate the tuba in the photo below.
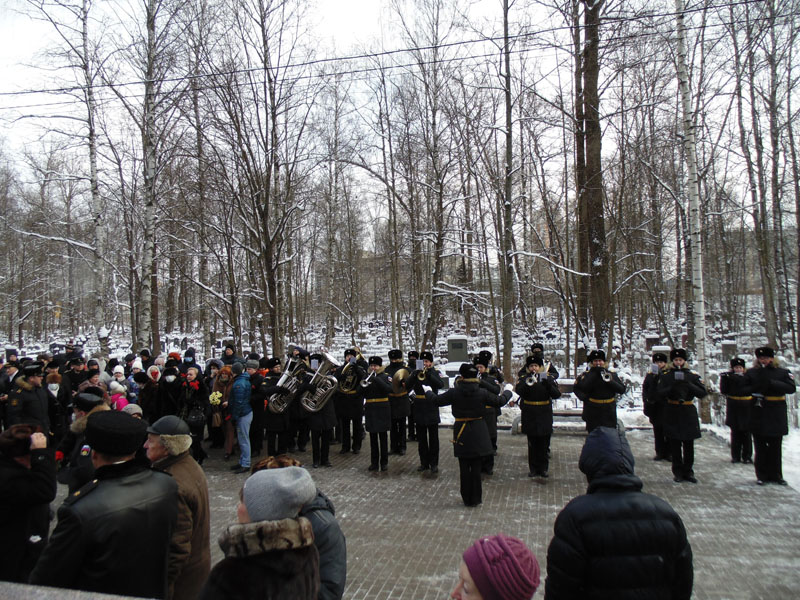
(326, 385)
(349, 375)
(291, 378)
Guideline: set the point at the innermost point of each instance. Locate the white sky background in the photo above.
(343, 25)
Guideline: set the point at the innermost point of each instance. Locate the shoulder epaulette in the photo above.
(86, 489)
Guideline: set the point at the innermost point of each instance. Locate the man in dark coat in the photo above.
(167, 445)
(426, 412)
(597, 388)
(27, 486)
(257, 404)
(349, 401)
(189, 361)
(738, 402)
(490, 378)
(616, 541)
(678, 388)
(127, 513)
(654, 406)
(75, 375)
(398, 401)
(27, 402)
(470, 434)
(536, 392)
(321, 422)
(73, 453)
(768, 420)
(377, 413)
(275, 424)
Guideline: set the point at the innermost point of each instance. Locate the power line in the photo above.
(389, 67)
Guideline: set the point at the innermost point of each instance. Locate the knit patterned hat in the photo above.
(503, 568)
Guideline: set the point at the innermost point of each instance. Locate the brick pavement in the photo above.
(406, 531)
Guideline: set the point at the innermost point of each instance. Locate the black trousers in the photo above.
(198, 453)
(301, 432)
(379, 448)
(768, 460)
(277, 442)
(428, 439)
(682, 457)
(661, 443)
(538, 462)
(470, 471)
(412, 428)
(345, 425)
(321, 446)
(398, 435)
(488, 461)
(741, 446)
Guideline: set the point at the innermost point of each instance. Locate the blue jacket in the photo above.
(239, 401)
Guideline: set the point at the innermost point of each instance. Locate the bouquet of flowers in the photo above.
(215, 398)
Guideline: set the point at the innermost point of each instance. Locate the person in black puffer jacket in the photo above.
(616, 541)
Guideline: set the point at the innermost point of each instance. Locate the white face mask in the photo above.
(53, 387)
(169, 378)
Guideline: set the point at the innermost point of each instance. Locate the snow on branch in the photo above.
(552, 263)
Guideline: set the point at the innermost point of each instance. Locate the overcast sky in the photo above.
(343, 24)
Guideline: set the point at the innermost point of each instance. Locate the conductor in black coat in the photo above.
(597, 389)
(739, 400)
(537, 391)
(470, 435)
(679, 387)
(768, 420)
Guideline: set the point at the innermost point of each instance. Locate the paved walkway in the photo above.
(406, 531)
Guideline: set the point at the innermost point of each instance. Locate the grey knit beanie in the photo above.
(275, 494)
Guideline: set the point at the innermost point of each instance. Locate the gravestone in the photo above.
(457, 349)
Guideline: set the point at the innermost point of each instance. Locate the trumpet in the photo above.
(367, 381)
(422, 375)
(606, 375)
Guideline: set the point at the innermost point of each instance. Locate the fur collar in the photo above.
(23, 383)
(78, 426)
(250, 539)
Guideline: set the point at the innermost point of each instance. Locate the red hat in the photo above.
(503, 568)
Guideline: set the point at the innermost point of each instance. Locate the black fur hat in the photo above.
(468, 371)
(596, 355)
(678, 353)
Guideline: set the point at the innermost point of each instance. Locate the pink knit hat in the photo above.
(503, 568)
